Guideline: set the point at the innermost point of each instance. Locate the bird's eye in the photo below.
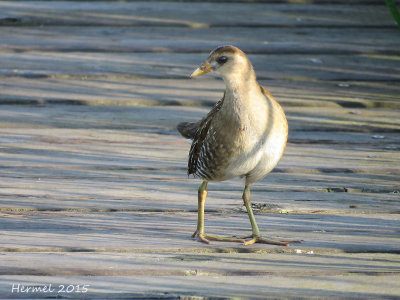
(221, 60)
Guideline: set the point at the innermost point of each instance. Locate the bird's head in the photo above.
(227, 61)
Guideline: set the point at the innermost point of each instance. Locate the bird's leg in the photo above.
(202, 194)
(256, 236)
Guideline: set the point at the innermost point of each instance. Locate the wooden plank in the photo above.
(126, 196)
(91, 145)
(186, 263)
(168, 65)
(373, 122)
(158, 120)
(132, 187)
(147, 92)
(201, 40)
(216, 287)
(46, 187)
(46, 231)
(197, 264)
(99, 195)
(22, 148)
(192, 14)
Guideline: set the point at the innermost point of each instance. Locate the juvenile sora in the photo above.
(243, 135)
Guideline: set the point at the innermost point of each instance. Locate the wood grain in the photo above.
(93, 185)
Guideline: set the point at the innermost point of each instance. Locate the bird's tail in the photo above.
(187, 129)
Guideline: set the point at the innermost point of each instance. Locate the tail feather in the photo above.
(187, 129)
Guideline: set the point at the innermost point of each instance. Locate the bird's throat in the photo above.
(239, 90)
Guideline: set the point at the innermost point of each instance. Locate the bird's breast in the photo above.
(255, 137)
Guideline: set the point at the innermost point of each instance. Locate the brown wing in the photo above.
(199, 137)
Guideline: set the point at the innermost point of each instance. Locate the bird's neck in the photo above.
(241, 99)
(240, 85)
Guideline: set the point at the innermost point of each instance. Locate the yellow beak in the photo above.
(203, 69)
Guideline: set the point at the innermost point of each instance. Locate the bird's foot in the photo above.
(261, 240)
(206, 238)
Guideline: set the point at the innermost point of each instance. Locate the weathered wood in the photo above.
(97, 193)
(150, 92)
(158, 120)
(197, 264)
(94, 145)
(192, 14)
(215, 287)
(170, 231)
(125, 196)
(277, 40)
(167, 65)
(74, 188)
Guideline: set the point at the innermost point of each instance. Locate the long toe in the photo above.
(206, 238)
(224, 239)
(261, 240)
(201, 237)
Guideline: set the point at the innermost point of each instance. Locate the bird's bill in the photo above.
(203, 69)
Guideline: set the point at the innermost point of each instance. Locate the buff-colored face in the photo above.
(223, 60)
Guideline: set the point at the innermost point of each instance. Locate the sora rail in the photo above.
(244, 135)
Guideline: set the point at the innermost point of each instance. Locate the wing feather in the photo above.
(199, 137)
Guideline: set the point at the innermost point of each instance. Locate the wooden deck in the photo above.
(93, 188)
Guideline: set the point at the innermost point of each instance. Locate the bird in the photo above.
(244, 135)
